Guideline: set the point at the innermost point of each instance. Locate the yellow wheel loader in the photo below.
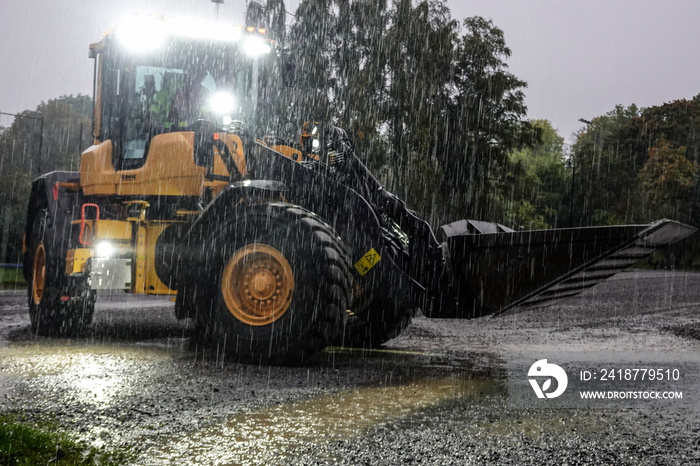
(275, 249)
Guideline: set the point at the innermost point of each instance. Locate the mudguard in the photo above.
(60, 207)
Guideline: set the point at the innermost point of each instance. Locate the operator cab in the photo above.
(157, 75)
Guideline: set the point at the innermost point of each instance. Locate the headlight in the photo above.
(255, 46)
(104, 250)
(222, 103)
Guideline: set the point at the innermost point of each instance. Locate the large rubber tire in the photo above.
(276, 288)
(378, 323)
(58, 305)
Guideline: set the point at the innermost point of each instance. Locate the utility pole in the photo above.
(571, 163)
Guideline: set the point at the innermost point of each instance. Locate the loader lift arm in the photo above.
(421, 252)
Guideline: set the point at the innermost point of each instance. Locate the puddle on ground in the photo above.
(81, 374)
(272, 431)
(33, 360)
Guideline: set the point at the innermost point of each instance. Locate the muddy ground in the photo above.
(436, 395)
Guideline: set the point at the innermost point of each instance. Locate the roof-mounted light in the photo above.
(148, 32)
(142, 33)
(200, 29)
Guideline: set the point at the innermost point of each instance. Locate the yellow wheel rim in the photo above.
(257, 284)
(39, 273)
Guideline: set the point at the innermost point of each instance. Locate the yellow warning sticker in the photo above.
(367, 261)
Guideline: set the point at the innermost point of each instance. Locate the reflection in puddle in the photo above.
(93, 384)
(264, 435)
(87, 375)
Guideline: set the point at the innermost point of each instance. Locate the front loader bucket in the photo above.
(498, 272)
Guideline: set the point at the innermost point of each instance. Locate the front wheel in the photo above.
(378, 323)
(276, 284)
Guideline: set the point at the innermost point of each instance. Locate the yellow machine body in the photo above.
(169, 169)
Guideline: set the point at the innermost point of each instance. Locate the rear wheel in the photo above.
(276, 284)
(58, 305)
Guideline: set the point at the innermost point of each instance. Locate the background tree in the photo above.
(312, 37)
(486, 122)
(360, 79)
(606, 170)
(276, 20)
(616, 147)
(430, 102)
(419, 48)
(539, 182)
(678, 123)
(668, 179)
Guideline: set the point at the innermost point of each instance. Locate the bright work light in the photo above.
(142, 32)
(104, 250)
(222, 103)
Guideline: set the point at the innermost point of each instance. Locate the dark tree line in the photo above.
(637, 165)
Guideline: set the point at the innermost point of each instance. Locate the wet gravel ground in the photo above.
(436, 395)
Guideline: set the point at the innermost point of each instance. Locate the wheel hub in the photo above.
(257, 284)
(39, 273)
(263, 283)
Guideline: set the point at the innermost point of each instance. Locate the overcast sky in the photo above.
(579, 58)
